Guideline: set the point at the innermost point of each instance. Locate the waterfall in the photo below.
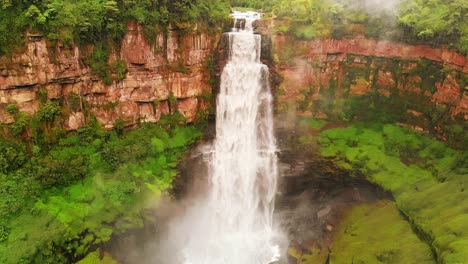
(233, 225)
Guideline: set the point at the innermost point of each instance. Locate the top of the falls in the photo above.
(248, 17)
(244, 45)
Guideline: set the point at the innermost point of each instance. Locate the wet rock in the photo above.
(323, 212)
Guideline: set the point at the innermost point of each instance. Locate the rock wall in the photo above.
(422, 87)
(169, 75)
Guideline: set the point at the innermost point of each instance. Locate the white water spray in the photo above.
(233, 225)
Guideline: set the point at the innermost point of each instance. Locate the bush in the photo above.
(12, 156)
(119, 68)
(12, 109)
(48, 112)
(61, 168)
(22, 121)
(98, 62)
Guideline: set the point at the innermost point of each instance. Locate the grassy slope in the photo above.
(377, 233)
(368, 234)
(427, 179)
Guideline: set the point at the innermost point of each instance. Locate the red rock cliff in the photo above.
(167, 75)
(359, 66)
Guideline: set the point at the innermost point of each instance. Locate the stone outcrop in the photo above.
(172, 71)
(427, 86)
(387, 49)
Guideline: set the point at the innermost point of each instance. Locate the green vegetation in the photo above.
(376, 233)
(435, 22)
(41, 129)
(60, 201)
(316, 124)
(369, 233)
(90, 21)
(99, 64)
(95, 258)
(103, 23)
(427, 178)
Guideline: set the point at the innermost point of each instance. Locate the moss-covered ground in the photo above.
(368, 234)
(427, 178)
(377, 233)
(58, 205)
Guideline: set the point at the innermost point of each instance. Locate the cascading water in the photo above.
(233, 225)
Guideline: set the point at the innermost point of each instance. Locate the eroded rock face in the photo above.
(175, 65)
(322, 77)
(387, 49)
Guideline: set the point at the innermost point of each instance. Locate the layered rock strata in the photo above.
(428, 85)
(168, 75)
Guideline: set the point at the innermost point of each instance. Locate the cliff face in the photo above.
(170, 75)
(418, 86)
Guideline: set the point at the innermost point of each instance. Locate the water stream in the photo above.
(233, 223)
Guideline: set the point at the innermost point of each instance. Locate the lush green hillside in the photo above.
(59, 201)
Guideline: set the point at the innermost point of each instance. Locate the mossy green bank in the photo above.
(427, 178)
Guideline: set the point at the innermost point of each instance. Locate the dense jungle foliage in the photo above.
(438, 22)
(59, 201)
(435, 22)
(91, 21)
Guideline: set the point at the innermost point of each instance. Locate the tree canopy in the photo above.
(434, 22)
(94, 20)
(439, 21)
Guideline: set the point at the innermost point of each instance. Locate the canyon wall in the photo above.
(171, 74)
(357, 79)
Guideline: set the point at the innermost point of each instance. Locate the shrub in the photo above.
(12, 156)
(119, 68)
(20, 125)
(48, 112)
(12, 109)
(61, 168)
(74, 101)
(98, 62)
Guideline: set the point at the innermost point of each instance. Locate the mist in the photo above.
(372, 6)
